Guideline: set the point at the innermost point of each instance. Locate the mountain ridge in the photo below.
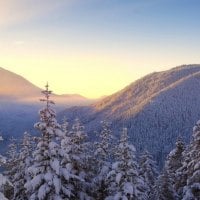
(156, 109)
(15, 87)
(153, 76)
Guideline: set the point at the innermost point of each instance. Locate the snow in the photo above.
(128, 188)
(3, 180)
(2, 160)
(36, 181)
(115, 165)
(57, 184)
(55, 164)
(48, 178)
(197, 166)
(118, 196)
(65, 166)
(43, 191)
(118, 178)
(2, 197)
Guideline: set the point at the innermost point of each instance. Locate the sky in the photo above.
(96, 47)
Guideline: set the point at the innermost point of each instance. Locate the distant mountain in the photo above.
(19, 104)
(156, 109)
(16, 88)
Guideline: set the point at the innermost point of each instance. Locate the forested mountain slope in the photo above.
(156, 109)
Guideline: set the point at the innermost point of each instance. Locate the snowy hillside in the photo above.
(156, 109)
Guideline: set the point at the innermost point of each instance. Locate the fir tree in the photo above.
(124, 180)
(173, 164)
(167, 184)
(22, 176)
(3, 180)
(164, 189)
(174, 159)
(65, 126)
(69, 177)
(192, 189)
(75, 169)
(12, 160)
(103, 155)
(148, 170)
(182, 173)
(45, 183)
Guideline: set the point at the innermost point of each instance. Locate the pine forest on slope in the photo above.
(156, 109)
(62, 164)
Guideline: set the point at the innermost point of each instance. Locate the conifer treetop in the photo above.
(47, 114)
(47, 94)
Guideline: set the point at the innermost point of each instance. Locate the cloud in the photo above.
(19, 11)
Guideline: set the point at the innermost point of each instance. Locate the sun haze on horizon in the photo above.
(96, 47)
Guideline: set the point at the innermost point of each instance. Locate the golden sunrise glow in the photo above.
(92, 76)
(82, 77)
(93, 48)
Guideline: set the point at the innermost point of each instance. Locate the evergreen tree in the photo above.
(168, 182)
(173, 164)
(65, 127)
(164, 189)
(75, 160)
(192, 189)
(12, 161)
(148, 171)
(24, 162)
(123, 179)
(69, 175)
(103, 154)
(175, 158)
(45, 182)
(182, 173)
(3, 180)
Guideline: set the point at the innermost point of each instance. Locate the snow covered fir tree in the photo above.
(192, 187)
(149, 172)
(24, 161)
(45, 182)
(123, 179)
(63, 163)
(103, 156)
(3, 179)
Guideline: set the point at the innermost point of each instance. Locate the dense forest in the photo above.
(62, 164)
(156, 109)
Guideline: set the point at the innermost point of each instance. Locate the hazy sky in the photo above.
(96, 47)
